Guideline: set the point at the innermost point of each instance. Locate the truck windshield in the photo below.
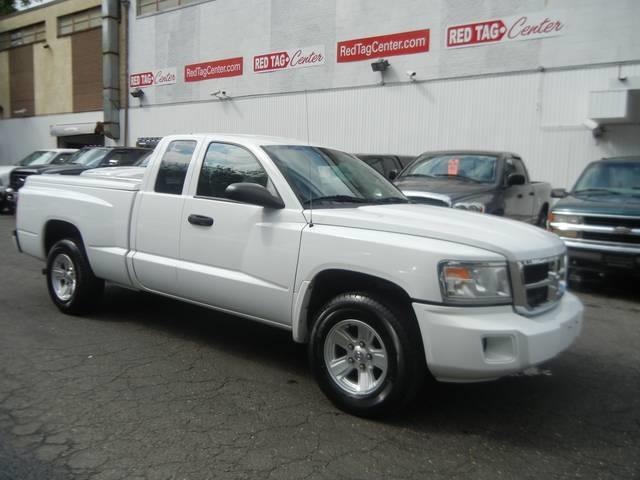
(328, 177)
(90, 158)
(39, 157)
(610, 178)
(476, 168)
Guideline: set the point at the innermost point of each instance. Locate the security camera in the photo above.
(596, 129)
(220, 94)
(137, 93)
(591, 124)
(411, 74)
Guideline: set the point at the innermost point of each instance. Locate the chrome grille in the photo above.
(543, 283)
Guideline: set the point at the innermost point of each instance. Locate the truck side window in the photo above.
(225, 164)
(173, 166)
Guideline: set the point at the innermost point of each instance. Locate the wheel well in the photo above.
(331, 283)
(56, 230)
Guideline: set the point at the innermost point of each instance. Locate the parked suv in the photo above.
(599, 219)
(37, 159)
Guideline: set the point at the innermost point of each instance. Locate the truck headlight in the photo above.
(475, 283)
(471, 206)
(562, 218)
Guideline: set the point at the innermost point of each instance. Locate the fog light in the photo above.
(499, 349)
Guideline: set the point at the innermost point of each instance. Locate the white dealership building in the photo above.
(557, 81)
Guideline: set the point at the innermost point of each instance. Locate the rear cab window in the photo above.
(173, 167)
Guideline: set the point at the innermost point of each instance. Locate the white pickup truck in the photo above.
(314, 241)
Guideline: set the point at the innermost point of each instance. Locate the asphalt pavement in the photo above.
(151, 388)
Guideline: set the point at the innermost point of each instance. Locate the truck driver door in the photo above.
(233, 255)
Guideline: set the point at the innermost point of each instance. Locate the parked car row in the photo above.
(62, 162)
(599, 219)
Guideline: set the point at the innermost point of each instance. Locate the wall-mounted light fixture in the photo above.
(380, 65)
(137, 93)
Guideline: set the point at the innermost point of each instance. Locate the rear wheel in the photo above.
(366, 356)
(71, 283)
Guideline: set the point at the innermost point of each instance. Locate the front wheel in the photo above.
(71, 283)
(367, 357)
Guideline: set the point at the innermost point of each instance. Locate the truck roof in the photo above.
(257, 140)
(494, 153)
(628, 158)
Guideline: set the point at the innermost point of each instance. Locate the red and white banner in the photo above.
(507, 29)
(285, 60)
(162, 76)
(229, 67)
(383, 46)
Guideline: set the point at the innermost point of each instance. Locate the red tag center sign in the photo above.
(452, 166)
(383, 46)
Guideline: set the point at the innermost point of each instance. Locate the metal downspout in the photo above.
(111, 69)
(125, 22)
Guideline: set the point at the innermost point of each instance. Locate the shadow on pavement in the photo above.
(561, 404)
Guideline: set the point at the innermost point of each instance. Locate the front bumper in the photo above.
(11, 197)
(472, 344)
(602, 257)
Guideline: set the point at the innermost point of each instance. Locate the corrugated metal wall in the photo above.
(538, 115)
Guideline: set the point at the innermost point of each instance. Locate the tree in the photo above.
(9, 6)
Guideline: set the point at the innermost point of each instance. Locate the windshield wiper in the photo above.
(390, 200)
(417, 175)
(457, 176)
(596, 190)
(335, 198)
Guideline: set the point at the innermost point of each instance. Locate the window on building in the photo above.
(153, 6)
(79, 21)
(23, 36)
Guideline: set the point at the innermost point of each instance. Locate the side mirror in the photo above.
(558, 193)
(113, 162)
(393, 174)
(515, 179)
(254, 194)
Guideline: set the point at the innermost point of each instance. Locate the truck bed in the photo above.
(99, 207)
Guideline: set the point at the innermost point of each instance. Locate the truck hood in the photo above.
(35, 169)
(69, 169)
(116, 172)
(601, 204)
(452, 188)
(514, 240)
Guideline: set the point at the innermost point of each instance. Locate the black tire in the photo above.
(88, 288)
(398, 331)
